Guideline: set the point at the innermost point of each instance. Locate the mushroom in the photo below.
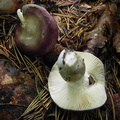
(8, 6)
(38, 31)
(69, 81)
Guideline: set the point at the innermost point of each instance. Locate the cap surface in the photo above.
(80, 96)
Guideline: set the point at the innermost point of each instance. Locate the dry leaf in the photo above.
(116, 42)
(65, 2)
(102, 32)
(17, 89)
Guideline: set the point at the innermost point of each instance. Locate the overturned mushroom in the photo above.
(38, 32)
(69, 84)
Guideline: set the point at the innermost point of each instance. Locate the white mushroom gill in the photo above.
(69, 83)
(30, 24)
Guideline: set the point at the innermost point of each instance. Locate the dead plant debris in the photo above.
(84, 25)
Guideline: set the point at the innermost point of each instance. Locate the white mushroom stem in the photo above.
(21, 17)
(71, 66)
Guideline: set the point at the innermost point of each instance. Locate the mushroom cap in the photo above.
(85, 96)
(39, 33)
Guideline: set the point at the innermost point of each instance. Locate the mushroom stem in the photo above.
(71, 66)
(21, 17)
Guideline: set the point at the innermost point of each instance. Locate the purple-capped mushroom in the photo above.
(38, 31)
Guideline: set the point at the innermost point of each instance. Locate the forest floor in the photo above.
(24, 93)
